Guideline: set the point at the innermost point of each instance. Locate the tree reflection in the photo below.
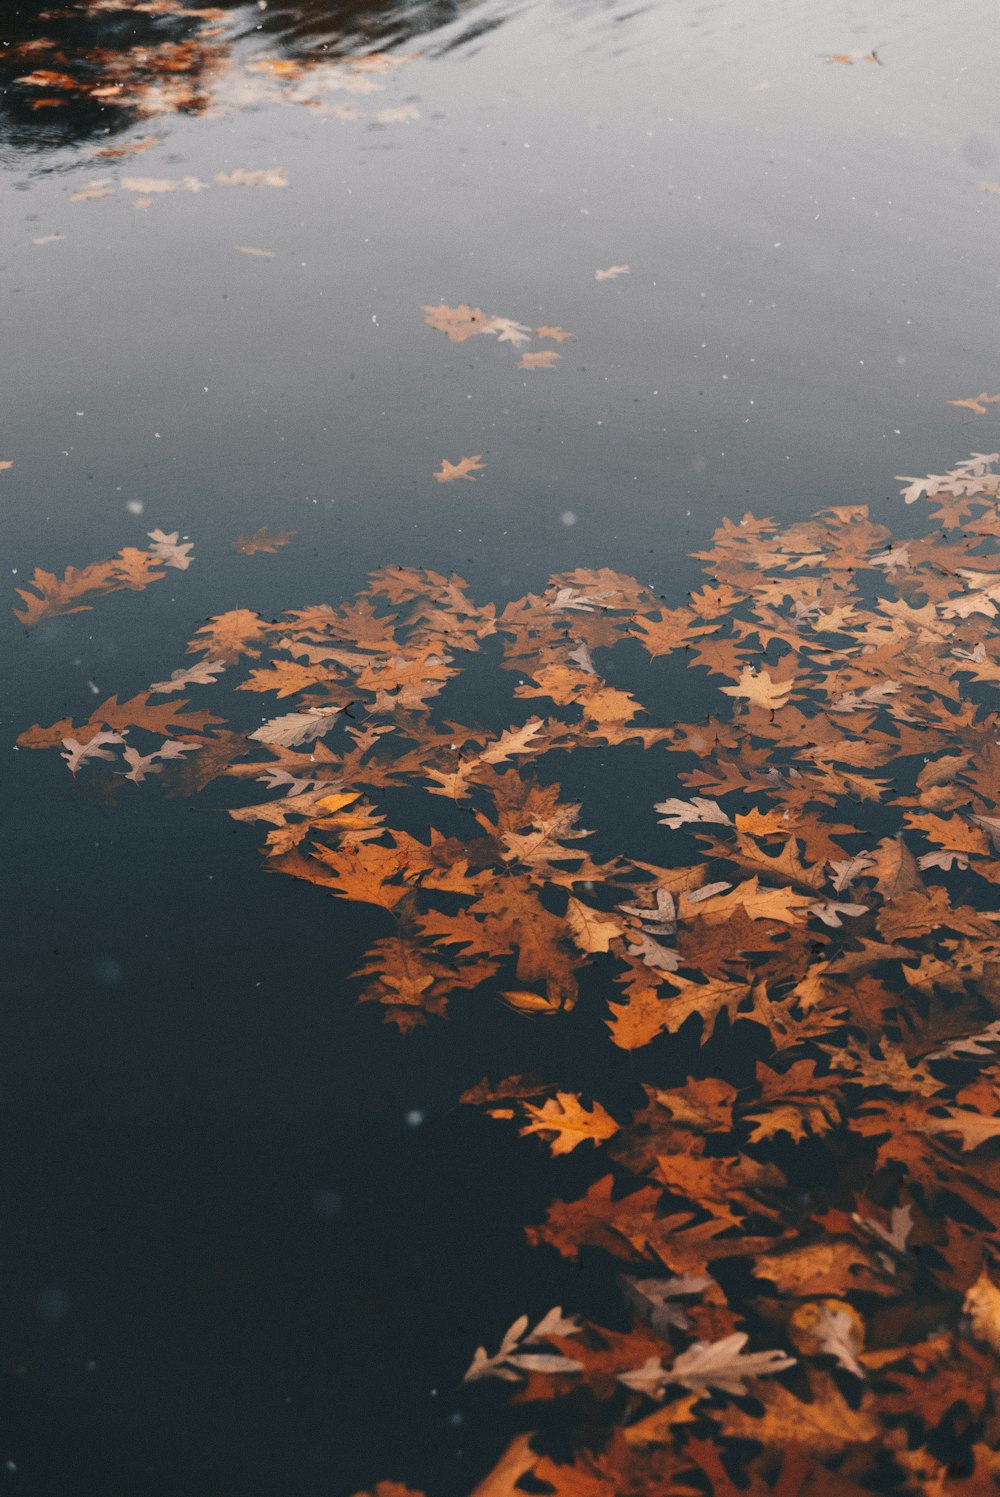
(75, 72)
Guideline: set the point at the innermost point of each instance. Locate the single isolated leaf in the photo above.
(545, 358)
(611, 272)
(466, 467)
(262, 540)
(846, 59)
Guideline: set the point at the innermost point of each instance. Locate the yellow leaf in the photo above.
(333, 803)
(530, 1003)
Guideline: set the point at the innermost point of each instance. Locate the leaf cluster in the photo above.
(805, 1246)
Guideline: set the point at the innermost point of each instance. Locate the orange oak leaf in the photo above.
(458, 323)
(977, 403)
(545, 358)
(564, 1122)
(230, 635)
(466, 467)
(760, 688)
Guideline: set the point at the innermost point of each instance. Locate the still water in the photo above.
(250, 1239)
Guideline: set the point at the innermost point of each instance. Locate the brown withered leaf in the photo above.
(511, 1088)
(826, 1424)
(262, 539)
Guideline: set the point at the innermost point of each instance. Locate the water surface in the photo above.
(250, 1240)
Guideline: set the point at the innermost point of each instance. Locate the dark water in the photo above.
(250, 1241)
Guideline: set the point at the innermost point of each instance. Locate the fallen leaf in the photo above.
(466, 467)
(100, 187)
(564, 1123)
(847, 58)
(153, 186)
(263, 540)
(724, 1365)
(977, 403)
(275, 176)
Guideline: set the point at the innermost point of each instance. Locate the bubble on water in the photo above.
(134, 506)
(109, 972)
(568, 517)
(414, 1118)
(52, 1305)
(327, 1205)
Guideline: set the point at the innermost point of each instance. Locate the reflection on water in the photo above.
(74, 72)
